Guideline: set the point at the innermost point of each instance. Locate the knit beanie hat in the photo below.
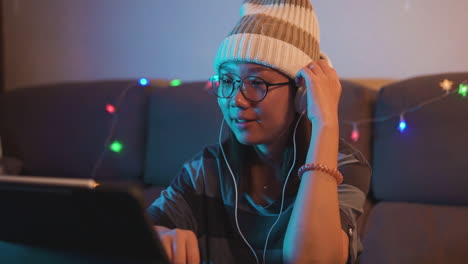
(282, 34)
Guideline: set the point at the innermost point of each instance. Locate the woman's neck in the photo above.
(266, 172)
(272, 154)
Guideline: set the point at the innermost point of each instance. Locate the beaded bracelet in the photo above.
(321, 167)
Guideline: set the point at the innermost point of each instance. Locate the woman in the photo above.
(283, 188)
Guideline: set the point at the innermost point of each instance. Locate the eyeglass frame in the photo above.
(241, 81)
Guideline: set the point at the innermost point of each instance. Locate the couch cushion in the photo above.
(181, 121)
(406, 233)
(427, 162)
(60, 130)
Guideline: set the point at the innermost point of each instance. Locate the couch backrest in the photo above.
(356, 106)
(427, 162)
(60, 130)
(183, 119)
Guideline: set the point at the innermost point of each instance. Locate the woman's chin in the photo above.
(248, 140)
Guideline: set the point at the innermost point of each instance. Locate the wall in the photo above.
(58, 40)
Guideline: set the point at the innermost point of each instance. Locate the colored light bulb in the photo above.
(214, 80)
(143, 81)
(446, 85)
(116, 146)
(463, 89)
(355, 133)
(110, 108)
(402, 124)
(208, 85)
(176, 82)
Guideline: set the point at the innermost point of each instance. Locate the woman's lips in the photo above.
(243, 124)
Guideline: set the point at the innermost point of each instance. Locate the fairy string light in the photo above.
(446, 85)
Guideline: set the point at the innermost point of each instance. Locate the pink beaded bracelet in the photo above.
(320, 167)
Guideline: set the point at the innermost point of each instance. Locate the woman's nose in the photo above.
(238, 99)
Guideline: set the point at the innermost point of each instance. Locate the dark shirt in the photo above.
(201, 198)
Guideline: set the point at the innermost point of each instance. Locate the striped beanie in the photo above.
(282, 34)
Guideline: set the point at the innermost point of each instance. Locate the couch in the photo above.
(416, 211)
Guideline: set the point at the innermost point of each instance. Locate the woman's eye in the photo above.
(257, 83)
(226, 81)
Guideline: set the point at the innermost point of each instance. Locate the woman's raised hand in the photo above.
(323, 92)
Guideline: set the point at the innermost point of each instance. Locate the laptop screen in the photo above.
(77, 215)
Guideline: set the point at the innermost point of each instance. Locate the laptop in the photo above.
(79, 216)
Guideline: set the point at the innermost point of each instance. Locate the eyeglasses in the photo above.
(253, 88)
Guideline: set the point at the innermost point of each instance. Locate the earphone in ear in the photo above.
(300, 101)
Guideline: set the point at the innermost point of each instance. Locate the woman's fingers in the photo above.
(167, 244)
(323, 90)
(161, 229)
(316, 69)
(305, 75)
(321, 68)
(325, 67)
(193, 253)
(178, 246)
(181, 246)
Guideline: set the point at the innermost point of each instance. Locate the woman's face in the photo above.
(263, 122)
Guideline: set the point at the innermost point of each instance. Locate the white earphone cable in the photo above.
(235, 188)
(236, 192)
(284, 188)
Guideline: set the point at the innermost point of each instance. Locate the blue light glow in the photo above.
(144, 81)
(402, 126)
